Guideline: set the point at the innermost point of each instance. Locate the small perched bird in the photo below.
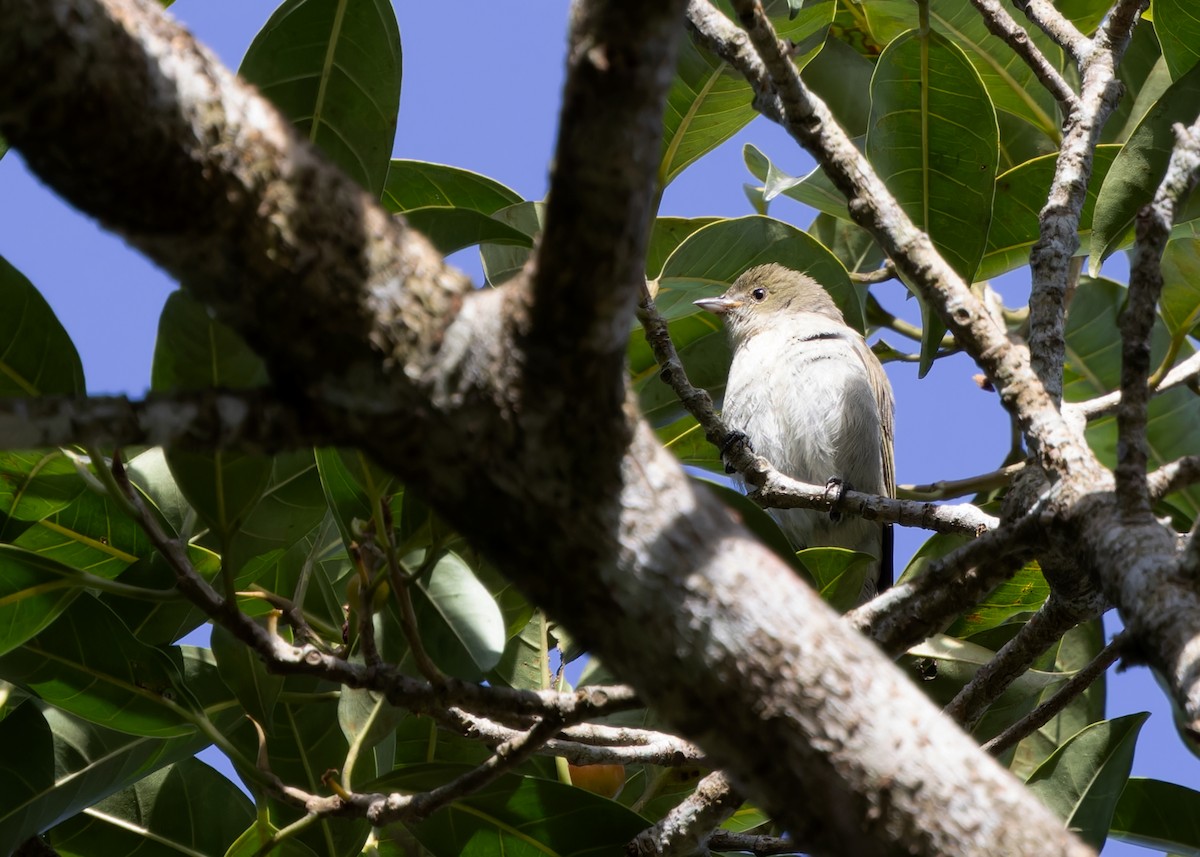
(813, 400)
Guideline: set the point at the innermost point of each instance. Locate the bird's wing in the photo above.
(887, 418)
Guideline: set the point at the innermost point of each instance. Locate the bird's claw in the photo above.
(835, 488)
(735, 440)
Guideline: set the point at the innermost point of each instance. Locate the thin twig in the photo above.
(948, 488)
(1185, 373)
(1001, 24)
(1173, 476)
(1055, 25)
(1076, 685)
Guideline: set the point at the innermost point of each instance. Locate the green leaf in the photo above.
(421, 184)
(38, 356)
(293, 502)
(1077, 648)
(33, 591)
(353, 485)
(172, 811)
(709, 101)
(334, 70)
(814, 190)
(452, 229)
(1020, 195)
(1178, 29)
(839, 574)
(92, 534)
(1010, 84)
(1157, 815)
(1024, 592)
(67, 764)
(502, 262)
(1082, 781)
(934, 140)
(517, 815)
(88, 663)
(244, 673)
(1143, 72)
(461, 625)
(1180, 300)
(1139, 168)
(196, 352)
(666, 235)
(159, 622)
(840, 75)
(35, 484)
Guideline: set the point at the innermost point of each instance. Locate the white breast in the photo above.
(801, 394)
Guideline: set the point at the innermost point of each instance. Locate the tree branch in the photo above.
(1075, 685)
(1050, 258)
(685, 830)
(1055, 25)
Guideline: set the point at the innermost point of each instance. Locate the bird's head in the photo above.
(766, 294)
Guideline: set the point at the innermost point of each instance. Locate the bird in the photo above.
(811, 397)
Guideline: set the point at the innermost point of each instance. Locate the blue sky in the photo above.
(480, 91)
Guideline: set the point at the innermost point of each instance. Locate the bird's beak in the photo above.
(719, 305)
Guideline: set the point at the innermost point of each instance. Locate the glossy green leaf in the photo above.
(933, 140)
(1011, 85)
(333, 68)
(151, 474)
(34, 484)
(1179, 303)
(839, 75)
(89, 664)
(1144, 73)
(421, 184)
(250, 843)
(853, 246)
(244, 673)
(814, 190)
(92, 534)
(1177, 26)
(293, 501)
(1157, 815)
(1082, 781)
(839, 574)
(368, 717)
(1024, 592)
(709, 101)
(517, 815)
(502, 262)
(183, 808)
(452, 207)
(1139, 168)
(353, 485)
(666, 235)
(1093, 367)
(1077, 648)
(196, 352)
(37, 356)
(461, 625)
(33, 591)
(160, 622)
(67, 763)
(1020, 196)
(452, 229)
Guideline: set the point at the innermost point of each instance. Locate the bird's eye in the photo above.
(759, 294)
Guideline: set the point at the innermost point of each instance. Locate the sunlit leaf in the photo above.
(334, 70)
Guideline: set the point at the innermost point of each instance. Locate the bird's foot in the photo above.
(734, 441)
(835, 488)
